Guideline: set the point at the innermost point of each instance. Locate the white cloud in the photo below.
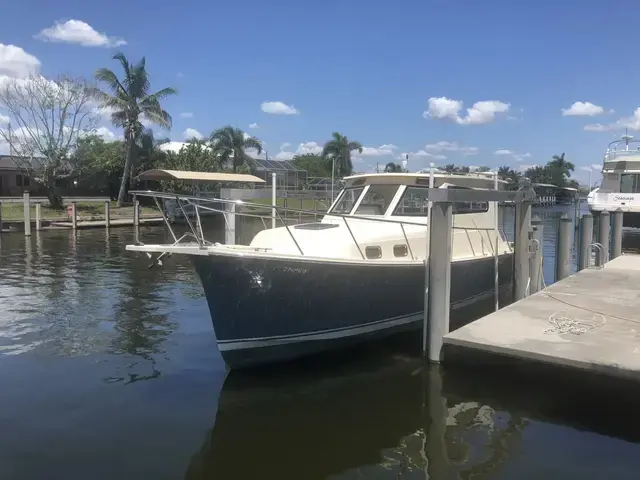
(451, 147)
(190, 133)
(421, 155)
(381, 151)
(78, 32)
(278, 108)
(4, 120)
(309, 147)
(583, 109)
(443, 108)
(186, 115)
(518, 157)
(253, 125)
(525, 167)
(596, 166)
(106, 134)
(15, 62)
(171, 146)
(632, 123)
(284, 155)
(599, 127)
(304, 148)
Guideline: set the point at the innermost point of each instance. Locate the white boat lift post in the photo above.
(438, 262)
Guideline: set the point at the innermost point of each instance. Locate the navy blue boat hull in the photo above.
(268, 310)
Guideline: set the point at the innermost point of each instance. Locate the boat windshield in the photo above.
(377, 200)
(347, 200)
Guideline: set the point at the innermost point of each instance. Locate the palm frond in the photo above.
(126, 66)
(355, 146)
(158, 116)
(253, 142)
(161, 94)
(111, 79)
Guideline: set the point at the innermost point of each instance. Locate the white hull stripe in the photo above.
(342, 332)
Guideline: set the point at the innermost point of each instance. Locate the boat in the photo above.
(357, 274)
(620, 186)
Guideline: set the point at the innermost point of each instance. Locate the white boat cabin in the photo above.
(620, 187)
(383, 217)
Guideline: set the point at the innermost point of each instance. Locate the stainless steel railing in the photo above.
(205, 203)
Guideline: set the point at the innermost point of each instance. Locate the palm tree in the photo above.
(129, 99)
(507, 173)
(392, 167)
(339, 151)
(230, 143)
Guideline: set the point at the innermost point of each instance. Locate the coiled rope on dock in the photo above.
(561, 322)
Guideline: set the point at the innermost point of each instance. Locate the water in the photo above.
(110, 370)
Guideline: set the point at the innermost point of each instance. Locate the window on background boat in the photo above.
(629, 183)
(377, 200)
(347, 200)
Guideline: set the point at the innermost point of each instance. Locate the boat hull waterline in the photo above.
(267, 310)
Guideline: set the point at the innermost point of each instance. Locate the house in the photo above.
(13, 181)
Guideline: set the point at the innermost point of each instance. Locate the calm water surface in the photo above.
(109, 369)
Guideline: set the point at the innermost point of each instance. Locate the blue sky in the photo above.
(398, 77)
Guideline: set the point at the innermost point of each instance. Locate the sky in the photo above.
(474, 83)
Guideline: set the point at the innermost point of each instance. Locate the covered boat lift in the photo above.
(195, 178)
(190, 176)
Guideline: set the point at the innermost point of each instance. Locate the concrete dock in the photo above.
(590, 320)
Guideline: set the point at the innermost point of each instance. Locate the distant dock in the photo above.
(590, 320)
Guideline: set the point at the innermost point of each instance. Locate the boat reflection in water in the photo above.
(360, 421)
(389, 418)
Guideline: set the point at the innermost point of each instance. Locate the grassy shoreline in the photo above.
(12, 212)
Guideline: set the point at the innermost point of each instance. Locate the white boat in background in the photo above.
(620, 187)
(356, 274)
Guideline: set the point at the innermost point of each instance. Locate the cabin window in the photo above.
(400, 250)
(373, 251)
(413, 203)
(347, 200)
(629, 183)
(377, 199)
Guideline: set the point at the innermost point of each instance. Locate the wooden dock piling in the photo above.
(439, 294)
(604, 226)
(563, 250)
(586, 239)
(616, 236)
(535, 261)
(27, 214)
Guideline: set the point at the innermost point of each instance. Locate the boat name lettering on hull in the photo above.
(292, 269)
(619, 198)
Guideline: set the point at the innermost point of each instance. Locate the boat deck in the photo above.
(590, 320)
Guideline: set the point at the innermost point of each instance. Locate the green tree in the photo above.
(195, 156)
(97, 165)
(339, 150)
(229, 144)
(315, 164)
(392, 167)
(509, 174)
(483, 169)
(129, 100)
